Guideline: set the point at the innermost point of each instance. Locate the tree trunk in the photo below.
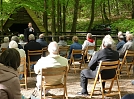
(109, 11)
(53, 28)
(132, 9)
(104, 12)
(117, 8)
(1, 10)
(92, 16)
(58, 17)
(76, 6)
(45, 19)
(64, 15)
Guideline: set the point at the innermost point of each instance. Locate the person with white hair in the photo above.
(6, 42)
(41, 40)
(113, 46)
(88, 42)
(13, 44)
(120, 33)
(52, 60)
(107, 53)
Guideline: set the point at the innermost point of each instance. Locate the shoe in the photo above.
(83, 94)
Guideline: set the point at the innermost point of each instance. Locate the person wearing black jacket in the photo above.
(28, 31)
(105, 54)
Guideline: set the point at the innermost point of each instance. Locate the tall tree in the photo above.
(45, 17)
(132, 9)
(76, 6)
(92, 15)
(53, 28)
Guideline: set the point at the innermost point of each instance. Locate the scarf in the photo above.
(90, 40)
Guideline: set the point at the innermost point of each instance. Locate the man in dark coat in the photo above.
(106, 54)
(28, 31)
(32, 45)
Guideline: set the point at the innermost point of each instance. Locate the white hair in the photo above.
(53, 48)
(107, 42)
(6, 39)
(31, 37)
(127, 32)
(120, 33)
(13, 44)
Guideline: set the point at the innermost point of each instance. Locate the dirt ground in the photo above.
(73, 86)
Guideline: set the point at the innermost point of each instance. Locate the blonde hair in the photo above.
(6, 39)
(75, 39)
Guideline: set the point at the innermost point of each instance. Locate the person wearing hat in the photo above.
(120, 43)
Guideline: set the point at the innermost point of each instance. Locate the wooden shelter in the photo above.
(19, 20)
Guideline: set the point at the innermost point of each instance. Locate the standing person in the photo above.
(9, 62)
(105, 54)
(28, 31)
(41, 40)
(52, 60)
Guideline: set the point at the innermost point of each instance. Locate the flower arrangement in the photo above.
(21, 37)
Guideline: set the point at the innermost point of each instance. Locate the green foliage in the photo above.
(124, 25)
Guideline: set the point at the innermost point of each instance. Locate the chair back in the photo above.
(63, 51)
(44, 51)
(54, 72)
(33, 57)
(89, 48)
(24, 72)
(127, 62)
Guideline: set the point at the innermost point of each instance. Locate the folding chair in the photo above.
(63, 51)
(126, 64)
(89, 51)
(54, 73)
(108, 65)
(45, 51)
(24, 72)
(77, 61)
(35, 53)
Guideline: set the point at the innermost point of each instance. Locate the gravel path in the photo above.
(73, 86)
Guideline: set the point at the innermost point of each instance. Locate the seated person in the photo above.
(41, 40)
(52, 60)
(120, 43)
(88, 42)
(129, 45)
(9, 62)
(14, 44)
(32, 45)
(113, 42)
(107, 53)
(15, 38)
(62, 42)
(6, 42)
(75, 45)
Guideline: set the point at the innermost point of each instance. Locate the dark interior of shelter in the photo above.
(18, 28)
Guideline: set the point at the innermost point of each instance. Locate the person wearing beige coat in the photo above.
(9, 62)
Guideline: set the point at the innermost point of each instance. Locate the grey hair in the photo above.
(107, 42)
(6, 39)
(31, 37)
(15, 38)
(53, 48)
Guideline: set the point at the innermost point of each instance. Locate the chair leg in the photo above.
(118, 88)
